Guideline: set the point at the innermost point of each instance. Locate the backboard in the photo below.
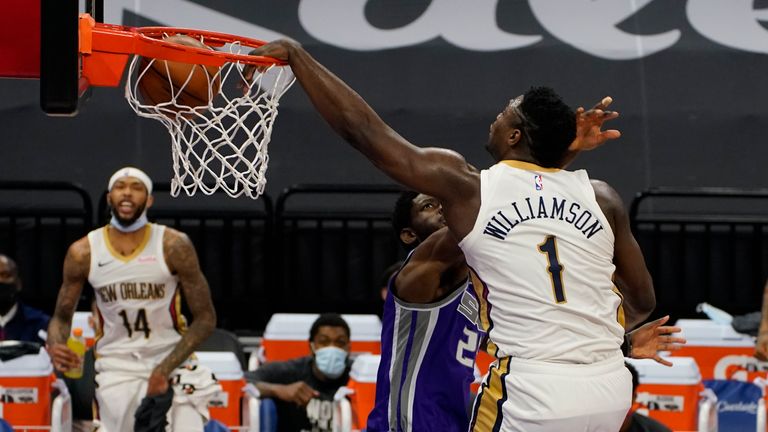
(41, 42)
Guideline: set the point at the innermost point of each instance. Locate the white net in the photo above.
(219, 142)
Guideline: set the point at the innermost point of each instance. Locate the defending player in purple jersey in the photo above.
(430, 334)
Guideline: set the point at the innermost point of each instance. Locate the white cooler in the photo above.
(718, 349)
(287, 335)
(670, 395)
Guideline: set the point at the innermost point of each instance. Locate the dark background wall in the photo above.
(688, 78)
(692, 114)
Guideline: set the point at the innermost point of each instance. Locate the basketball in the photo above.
(189, 83)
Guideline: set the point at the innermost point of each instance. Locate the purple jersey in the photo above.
(427, 364)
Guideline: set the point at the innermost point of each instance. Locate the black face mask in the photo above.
(8, 295)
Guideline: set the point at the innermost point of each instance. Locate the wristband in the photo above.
(626, 346)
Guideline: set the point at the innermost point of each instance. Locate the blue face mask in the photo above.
(331, 361)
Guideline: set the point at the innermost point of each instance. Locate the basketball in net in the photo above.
(220, 122)
(173, 84)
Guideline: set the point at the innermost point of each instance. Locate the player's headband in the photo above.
(131, 172)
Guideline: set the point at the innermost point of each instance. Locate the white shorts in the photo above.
(119, 394)
(531, 396)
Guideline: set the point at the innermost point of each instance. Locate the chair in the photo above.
(33, 398)
(223, 340)
(740, 405)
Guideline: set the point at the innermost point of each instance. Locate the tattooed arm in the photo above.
(76, 267)
(181, 258)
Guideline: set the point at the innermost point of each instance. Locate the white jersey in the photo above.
(541, 254)
(137, 298)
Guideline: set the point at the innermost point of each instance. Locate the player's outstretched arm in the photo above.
(182, 260)
(422, 277)
(761, 348)
(441, 173)
(632, 276)
(77, 264)
(650, 338)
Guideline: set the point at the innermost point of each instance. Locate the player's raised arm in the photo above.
(182, 260)
(424, 274)
(441, 173)
(632, 276)
(76, 267)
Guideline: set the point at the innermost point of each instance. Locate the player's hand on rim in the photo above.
(589, 123)
(63, 358)
(279, 50)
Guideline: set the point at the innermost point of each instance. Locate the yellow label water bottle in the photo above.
(76, 343)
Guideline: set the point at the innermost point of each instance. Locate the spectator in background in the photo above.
(303, 388)
(635, 422)
(17, 321)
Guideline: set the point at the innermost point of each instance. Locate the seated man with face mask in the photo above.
(17, 321)
(303, 388)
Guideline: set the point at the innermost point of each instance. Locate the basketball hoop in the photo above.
(220, 144)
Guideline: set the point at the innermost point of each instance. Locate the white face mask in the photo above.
(331, 361)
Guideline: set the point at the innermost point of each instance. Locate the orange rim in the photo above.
(105, 49)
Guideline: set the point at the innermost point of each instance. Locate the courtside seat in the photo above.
(673, 395)
(361, 392)
(238, 406)
(32, 397)
(287, 335)
(226, 407)
(740, 405)
(224, 340)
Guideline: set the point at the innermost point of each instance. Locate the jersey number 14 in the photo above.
(140, 323)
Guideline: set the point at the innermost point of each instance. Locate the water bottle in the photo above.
(717, 315)
(76, 343)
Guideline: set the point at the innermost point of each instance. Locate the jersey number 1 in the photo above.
(140, 324)
(555, 269)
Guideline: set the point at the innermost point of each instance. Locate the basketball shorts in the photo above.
(532, 396)
(119, 394)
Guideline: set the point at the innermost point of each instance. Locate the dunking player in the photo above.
(137, 270)
(431, 330)
(544, 246)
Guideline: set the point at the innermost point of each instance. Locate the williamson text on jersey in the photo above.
(503, 221)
